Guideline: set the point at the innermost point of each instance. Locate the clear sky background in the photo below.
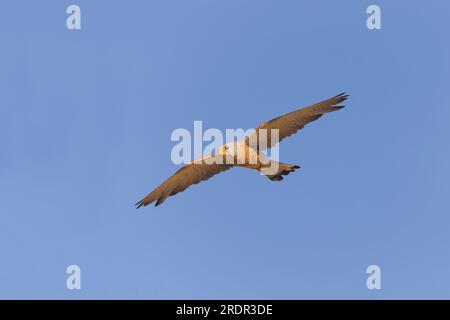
(85, 124)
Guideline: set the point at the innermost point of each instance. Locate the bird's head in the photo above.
(223, 150)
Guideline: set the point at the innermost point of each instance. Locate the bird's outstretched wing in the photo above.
(292, 122)
(193, 173)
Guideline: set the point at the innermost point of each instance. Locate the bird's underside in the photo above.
(246, 153)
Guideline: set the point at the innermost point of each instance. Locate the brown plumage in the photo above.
(208, 166)
(188, 175)
(294, 121)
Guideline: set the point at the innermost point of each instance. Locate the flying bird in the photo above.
(205, 167)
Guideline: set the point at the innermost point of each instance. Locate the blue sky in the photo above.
(85, 123)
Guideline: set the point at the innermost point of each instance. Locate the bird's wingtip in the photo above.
(139, 204)
(343, 96)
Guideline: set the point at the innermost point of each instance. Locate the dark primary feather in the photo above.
(292, 122)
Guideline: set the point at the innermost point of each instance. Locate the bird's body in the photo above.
(241, 154)
(246, 153)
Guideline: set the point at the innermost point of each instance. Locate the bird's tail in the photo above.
(276, 170)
